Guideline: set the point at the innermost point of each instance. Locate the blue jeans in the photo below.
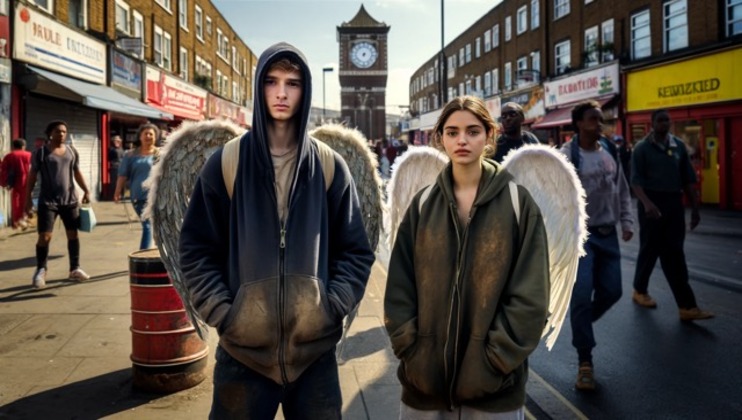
(242, 393)
(597, 288)
(146, 242)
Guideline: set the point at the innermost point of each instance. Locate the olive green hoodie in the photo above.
(466, 305)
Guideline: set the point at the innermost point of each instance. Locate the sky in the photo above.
(310, 25)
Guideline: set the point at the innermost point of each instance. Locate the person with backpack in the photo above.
(512, 136)
(14, 175)
(57, 165)
(467, 292)
(275, 254)
(598, 284)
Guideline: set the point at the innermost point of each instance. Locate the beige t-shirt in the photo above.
(284, 167)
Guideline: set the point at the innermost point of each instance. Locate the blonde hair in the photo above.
(477, 108)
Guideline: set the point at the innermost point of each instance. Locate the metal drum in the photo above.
(167, 353)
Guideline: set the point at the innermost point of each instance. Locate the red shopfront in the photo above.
(171, 94)
(223, 109)
(703, 95)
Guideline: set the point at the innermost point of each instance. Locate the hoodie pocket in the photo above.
(252, 321)
(422, 369)
(309, 316)
(477, 376)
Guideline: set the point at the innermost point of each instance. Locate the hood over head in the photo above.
(261, 116)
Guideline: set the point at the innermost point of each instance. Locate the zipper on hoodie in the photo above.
(456, 300)
(282, 304)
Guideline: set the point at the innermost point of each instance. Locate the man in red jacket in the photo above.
(14, 172)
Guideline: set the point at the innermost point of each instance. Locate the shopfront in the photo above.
(223, 109)
(62, 75)
(600, 84)
(176, 96)
(5, 105)
(703, 95)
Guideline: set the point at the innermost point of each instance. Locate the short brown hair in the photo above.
(579, 110)
(284, 64)
(477, 107)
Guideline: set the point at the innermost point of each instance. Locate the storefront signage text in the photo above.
(700, 86)
(126, 73)
(585, 85)
(175, 95)
(44, 42)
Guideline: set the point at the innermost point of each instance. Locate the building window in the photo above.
(591, 47)
(137, 30)
(734, 17)
(157, 45)
(562, 57)
(496, 36)
(468, 53)
(478, 86)
(561, 8)
(462, 56)
(235, 59)
(122, 17)
(676, 25)
(165, 4)
(508, 76)
(461, 91)
(607, 40)
(222, 45)
(46, 5)
(536, 62)
(508, 28)
(487, 84)
(488, 40)
(535, 14)
(198, 17)
(495, 81)
(522, 24)
(183, 64)
(235, 91)
(208, 25)
(478, 47)
(522, 68)
(183, 14)
(167, 51)
(77, 13)
(641, 42)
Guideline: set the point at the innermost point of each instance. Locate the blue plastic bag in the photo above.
(87, 219)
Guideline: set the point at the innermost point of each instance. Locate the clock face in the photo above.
(363, 55)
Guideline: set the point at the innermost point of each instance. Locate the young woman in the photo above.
(134, 169)
(468, 286)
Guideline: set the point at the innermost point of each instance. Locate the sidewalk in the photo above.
(64, 350)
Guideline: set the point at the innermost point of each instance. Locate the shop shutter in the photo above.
(83, 133)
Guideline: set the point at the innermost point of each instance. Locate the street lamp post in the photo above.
(324, 71)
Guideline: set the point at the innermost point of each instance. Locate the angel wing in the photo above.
(414, 170)
(171, 183)
(363, 165)
(555, 187)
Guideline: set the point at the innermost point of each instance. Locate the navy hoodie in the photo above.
(277, 307)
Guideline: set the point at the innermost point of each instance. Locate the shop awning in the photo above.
(563, 116)
(102, 97)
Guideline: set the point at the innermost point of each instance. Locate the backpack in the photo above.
(231, 160)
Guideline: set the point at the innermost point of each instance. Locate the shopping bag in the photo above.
(87, 219)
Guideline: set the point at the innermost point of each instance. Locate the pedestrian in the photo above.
(58, 166)
(661, 172)
(14, 169)
(276, 265)
(513, 135)
(468, 285)
(115, 155)
(134, 170)
(598, 284)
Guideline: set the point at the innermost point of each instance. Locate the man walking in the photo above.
(277, 263)
(115, 156)
(14, 170)
(598, 284)
(58, 166)
(661, 171)
(513, 136)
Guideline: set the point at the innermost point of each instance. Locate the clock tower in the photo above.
(363, 73)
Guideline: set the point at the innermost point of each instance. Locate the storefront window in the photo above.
(638, 132)
(690, 133)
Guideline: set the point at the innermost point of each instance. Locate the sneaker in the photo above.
(585, 378)
(79, 275)
(39, 278)
(643, 299)
(694, 314)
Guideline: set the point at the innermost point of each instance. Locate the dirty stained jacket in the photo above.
(276, 293)
(465, 305)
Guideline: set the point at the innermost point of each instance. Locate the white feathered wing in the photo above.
(553, 183)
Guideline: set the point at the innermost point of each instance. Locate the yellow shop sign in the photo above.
(697, 81)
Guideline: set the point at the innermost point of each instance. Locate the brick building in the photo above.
(632, 56)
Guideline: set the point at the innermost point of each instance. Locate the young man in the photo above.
(513, 137)
(598, 284)
(58, 165)
(276, 268)
(14, 170)
(661, 171)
